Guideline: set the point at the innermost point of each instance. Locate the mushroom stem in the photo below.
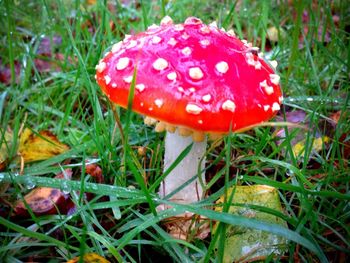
(185, 170)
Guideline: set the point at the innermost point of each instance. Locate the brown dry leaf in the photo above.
(95, 171)
(5, 72)
(41, 200)
(335, 117)
(48, 44)
(89, 258)
(42, 146)
(46, 61)
(44, 200)
(90, 2)
(46, 64)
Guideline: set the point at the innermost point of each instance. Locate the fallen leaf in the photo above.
(95, 171)
(46, 64)
(47, 45)
(274, 33)
(317, 145)
(46, 60)
(89, 258)
(5, 72)
(296, 116)
(45, 200)
(335, 117)
(244, 244)
(298, 141)
(90, 2)
(318, 31)
(42, 146)
(41, 200)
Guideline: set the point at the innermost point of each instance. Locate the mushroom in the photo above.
(192, 80)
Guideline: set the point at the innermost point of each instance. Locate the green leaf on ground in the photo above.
(243, 243)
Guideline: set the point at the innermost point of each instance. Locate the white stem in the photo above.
(185, 170)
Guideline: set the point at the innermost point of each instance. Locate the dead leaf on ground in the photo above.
(244, 244)
(317, 145)
(95, 171)
(48, 44)
(299, 141)
(90, 2)
(320, 32)
(274, 34)
(89, 258)
(46, 64)
(42, 146)
(5, 72)
(45, 200)
(46, 60)
(335, 117)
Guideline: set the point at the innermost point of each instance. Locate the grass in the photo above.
(314, 188)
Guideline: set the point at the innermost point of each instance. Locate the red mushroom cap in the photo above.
(192, 75)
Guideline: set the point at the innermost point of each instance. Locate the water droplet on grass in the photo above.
(30, 184)
(94, 187)
(66, 188)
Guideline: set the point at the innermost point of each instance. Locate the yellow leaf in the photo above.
(273, 33)
(89, 258)
(317, 145)
(42, 146)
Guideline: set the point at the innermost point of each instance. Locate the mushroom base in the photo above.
(184, 185)
(187, 226)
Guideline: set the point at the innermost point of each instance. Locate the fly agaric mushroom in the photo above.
(192, 80)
